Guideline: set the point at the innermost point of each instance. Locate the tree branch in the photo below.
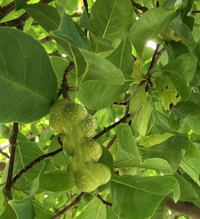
(106, 129)
(72, 205)
(64, 87)
(103, 201)
(13, 143)
(4, 154)
(86, 7)
(18, 22)
(184, 208)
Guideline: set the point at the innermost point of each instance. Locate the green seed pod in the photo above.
(92, 176)
(65, 115)
(88, 127)
(94, 150)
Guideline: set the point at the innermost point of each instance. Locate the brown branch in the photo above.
(195, 12)
(18, 22)
(46, 39)
(2, 166)
(138, 6)
(111, 141)
(4, 154)
(185, 208)
(106, 129)
(4, 11)
(86, 7)
(13, 143)
(72, 205)
(64, 87)
(103, 201)
(37, 160)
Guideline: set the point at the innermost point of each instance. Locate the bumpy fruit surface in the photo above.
(87, 174)
(66, 115)
(94, 149)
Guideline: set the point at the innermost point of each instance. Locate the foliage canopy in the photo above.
(127, 144)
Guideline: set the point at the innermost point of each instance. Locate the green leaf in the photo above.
(42, 211)
(70, 32)
(26, 152)
(181, 112)
(188, 193)
(95, 209)
(181, 71)
(84, 20)
(98, 95)
(138, 109)
(8, 212)
(184, 32)
(194, 124)
(159, 124)
(127, 147)
(56, 181)
(170, 151)
(26, 93)
(99, 44)
(105, 21)
(143, 192)
(23, 208)
(161, 210)
(149, 26)
(101, 69)
(190, 162)
(121, 57)
(167, 92)
(46, 15)
(59, 66)
(61, 158)
(151, 140)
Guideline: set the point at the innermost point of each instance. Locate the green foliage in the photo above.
(76, 75)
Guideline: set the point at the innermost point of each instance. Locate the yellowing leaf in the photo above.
(137, 71)
(167, 92)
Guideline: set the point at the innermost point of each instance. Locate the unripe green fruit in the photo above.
(87, 174)
(88, 127)
(94, 175)
(94, 150)
(65, 115)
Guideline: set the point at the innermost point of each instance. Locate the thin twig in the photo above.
(106, 129)
(103, 201)
(138, 6)
(4, 154)
(64, 87)
(72, 205)
(86, 7)
(157, 4)
(110, 143)
(13, 143)
(195, 12)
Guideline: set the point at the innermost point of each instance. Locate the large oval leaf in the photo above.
(28, 82)
(149, 26)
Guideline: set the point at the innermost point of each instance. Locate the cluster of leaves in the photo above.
(99, 57)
